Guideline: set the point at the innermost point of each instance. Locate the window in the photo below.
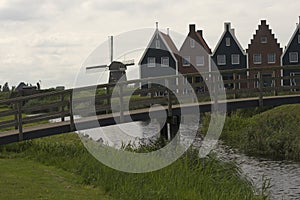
(199, 60)
(157, 44)
(235, 59)
(227, 42)
(192, 43)
(165, 62)
(151, 62)
(221, 60)
(186, 60)
(264, 39)
(271, 58)
(293, 57)
(257, 58)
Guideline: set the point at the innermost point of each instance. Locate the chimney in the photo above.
(168, 31)
(192, 27)
(227, 26)
(200, 32)
(233, 31)
(156, 25)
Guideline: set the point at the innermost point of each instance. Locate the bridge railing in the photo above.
(21, 112)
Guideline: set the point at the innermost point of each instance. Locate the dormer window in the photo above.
(157, 44)
(227, 42)
(264, 40)
(192, 43)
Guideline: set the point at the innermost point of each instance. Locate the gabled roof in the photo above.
(166, 39)
(203, 42)
(294, 35)
(227, 28)
(170, 43)
(264, 23)
(199, 38)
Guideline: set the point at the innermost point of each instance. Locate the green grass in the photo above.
(25, 179)
(188, 178)
(274, 133)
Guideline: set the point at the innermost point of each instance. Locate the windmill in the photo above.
(117, 69)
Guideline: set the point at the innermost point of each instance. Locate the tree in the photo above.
(5, 87)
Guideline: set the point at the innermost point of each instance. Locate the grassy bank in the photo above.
(274, 133)
(25, 179)
(187, 178)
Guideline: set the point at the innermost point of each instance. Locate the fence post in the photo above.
(72, 124)
(20, 120)
(274, 83)
(15, 107)
(234, 86)
(62, 107)
(169, 98)
(107, 98)
(260, 89)
(121, 102)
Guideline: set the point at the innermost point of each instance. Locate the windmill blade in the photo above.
(128, 62)
(96, 67)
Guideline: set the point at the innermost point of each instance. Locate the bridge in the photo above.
(27, 117)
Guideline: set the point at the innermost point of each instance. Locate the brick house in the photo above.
(264, 51)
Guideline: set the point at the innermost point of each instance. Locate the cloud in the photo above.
(50, 39)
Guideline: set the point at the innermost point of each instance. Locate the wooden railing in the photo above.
(18, 113)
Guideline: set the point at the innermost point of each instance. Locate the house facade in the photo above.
(290, 57)
(229, 54)
(264, 51)
(159, 58)
(194, 56)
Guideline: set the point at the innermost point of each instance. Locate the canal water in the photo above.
(284, 176)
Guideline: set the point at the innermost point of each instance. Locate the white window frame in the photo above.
(254, 60)
(188, 59)
(264, 40)
(192, 43)
(290, 57)
(223, 57)
(157, 44)
(238, 59)
(271, 55)
(227, 41)
(166, 59)
(200, 58)
(151, 62)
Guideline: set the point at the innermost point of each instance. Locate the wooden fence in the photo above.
(21, 112)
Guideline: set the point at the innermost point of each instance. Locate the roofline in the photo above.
(290, 41)
(235, 39)
(164, 41)
(148, 46)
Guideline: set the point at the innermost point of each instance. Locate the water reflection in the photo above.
(284, 175)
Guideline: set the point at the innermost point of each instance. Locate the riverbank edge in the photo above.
(187, 178)
(272, 133)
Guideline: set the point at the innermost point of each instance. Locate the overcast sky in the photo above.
(49, 40)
